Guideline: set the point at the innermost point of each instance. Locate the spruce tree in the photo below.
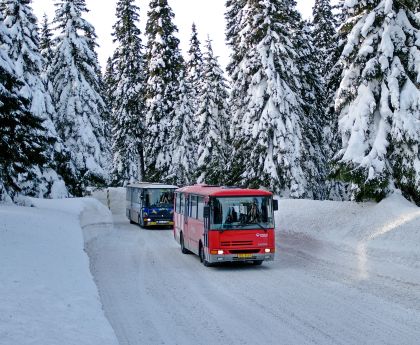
(332, 70)
(45, 42)
(266, 100)
(81, 110)
(22, 135)
(323, 34)
(24, 52)
(183, 143)
(314, 120)
(109, 82)
(164, 67)
(378, 100)
(128, 97)
(194, 67)
(213, 120)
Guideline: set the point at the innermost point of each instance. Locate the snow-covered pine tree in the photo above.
(164, 67)
(45, 42)
(22, 135)
(268, 109)
(128, 97)
(235, 17)
(109, 82)
(183, 143)
(213, 117)
(81, 109)
(379, 99)
(314, 122)
(333, 67)
(194, 67)
(324, 25)
(42, 181)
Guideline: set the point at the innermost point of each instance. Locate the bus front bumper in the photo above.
(212, 258)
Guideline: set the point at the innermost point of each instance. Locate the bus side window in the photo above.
(133, 195)
(193, 207)
(200, 208)
(181, 205)
(178, 203)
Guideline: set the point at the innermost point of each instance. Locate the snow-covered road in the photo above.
(315, 292)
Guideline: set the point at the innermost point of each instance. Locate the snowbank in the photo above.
(47, 293)
(371, 238)
(393, 223)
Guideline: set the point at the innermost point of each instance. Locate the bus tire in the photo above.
(129, 217)
(183, 249)
(257, 262)
(202, 257)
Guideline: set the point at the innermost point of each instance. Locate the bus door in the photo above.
(136, 206)
(185, 222)
(179, 213)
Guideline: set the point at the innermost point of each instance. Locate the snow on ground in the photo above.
(389, 230)
(345, 273)
(47, 293)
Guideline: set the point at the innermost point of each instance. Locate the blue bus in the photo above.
(150, 204)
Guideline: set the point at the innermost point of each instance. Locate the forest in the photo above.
(326, 109)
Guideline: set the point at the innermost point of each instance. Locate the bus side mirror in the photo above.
(206, 212)
(275, 205)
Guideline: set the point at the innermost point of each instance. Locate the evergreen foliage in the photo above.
(268, 113)
(164, 68)
(329, 45)
(81, 110)
(22, 143)
(127, 87)
(379, 99)
(315, 124)
(323, 34)
(45, 43)
(213, 120)
(41, 181)
(194, 67)
(109, 82)
(183, 143)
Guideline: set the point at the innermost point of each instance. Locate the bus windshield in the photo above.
(158, 197)
(241, 213)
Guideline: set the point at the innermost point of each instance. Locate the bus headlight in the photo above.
(220, 252)
(267, 250)
(217, 252)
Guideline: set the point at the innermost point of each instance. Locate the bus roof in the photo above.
(207, 190)
(151, 185)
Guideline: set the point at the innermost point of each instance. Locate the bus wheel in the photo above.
(257, 262)
(129, 217)
(183, 249)
(202, 257)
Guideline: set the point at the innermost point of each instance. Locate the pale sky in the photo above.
(208, 16)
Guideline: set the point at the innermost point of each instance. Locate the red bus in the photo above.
(225, 224)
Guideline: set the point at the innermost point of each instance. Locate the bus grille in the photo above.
(236, 243)
(244, 251)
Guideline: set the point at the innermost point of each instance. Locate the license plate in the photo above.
(162, 222)
(244, 256)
